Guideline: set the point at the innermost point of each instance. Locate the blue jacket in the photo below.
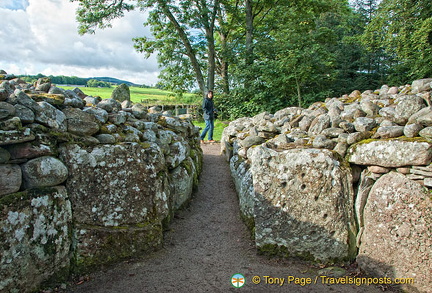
(208, 108)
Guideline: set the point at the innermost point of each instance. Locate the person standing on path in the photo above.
(209, 111)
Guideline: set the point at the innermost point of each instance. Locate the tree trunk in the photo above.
(249, 33)
(211, 60)
(299, 98)
(189, 50)
(224, 64)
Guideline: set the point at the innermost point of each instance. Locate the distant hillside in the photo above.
(114, 80)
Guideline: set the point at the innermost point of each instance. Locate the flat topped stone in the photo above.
(391, 153)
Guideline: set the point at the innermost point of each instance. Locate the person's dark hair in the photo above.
(209, 92)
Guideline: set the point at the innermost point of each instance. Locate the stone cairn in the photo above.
(345, 179)
(85, 181)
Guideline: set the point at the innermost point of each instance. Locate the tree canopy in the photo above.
(262, 55)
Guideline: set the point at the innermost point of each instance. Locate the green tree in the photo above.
(284, 55)
(403, 30)
(97, 83)
(183, 35)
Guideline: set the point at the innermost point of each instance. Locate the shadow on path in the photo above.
(207, 244)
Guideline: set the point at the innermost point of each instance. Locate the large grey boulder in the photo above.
(412, 130)
(120, 196)
(43, 172)
(304, 204)
(362, 124)
(121, 93)
(139, 111)
(99, 113)
(178, 151)
(391, 153)
(80, 122)
(408, 105)
(397, 237)
(242, 177)
(24, 114)
(48, 115)
(114, 185)
(319, 124)
(43, 84)
(35, 245)
(73, 99)
(421, 85)
(109, 105)
(181, 185)
(389, 132)
(251, 140)
(6, 110)
(22, 98)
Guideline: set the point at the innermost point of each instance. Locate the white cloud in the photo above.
(43, 38)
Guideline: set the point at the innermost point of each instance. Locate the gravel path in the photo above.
(206, 245)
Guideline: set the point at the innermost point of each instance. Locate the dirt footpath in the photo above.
(206, 245)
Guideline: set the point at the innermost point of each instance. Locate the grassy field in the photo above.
(150, 96)
(219, 127)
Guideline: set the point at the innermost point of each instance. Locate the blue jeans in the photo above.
(208, 128)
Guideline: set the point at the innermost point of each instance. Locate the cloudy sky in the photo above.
(40, 36)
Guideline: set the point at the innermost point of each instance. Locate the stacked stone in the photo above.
(113, 169)
(395, 114)
(341, 180)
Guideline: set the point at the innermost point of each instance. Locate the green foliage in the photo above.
(93, 14)
(61, 79)
(402, 29)
(263, 55)
(97, 83)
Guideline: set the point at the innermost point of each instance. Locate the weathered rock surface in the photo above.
(29, 150)
(6, 110)
(127, 195)
(371, 135)
(80, 122)
(391, 153)
(181, 184)
(421, 85)
(43, 172)
(303, 203)
(15, 136)
(242, 177)
(121, 93)
(124, 172)
(397, 237)
(35, 244)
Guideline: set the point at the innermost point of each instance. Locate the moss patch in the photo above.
(115, 244)
(19, 199)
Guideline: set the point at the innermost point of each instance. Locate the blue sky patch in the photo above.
(14, 4)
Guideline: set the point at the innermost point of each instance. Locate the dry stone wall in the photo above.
(345, 179)
(84, 181)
